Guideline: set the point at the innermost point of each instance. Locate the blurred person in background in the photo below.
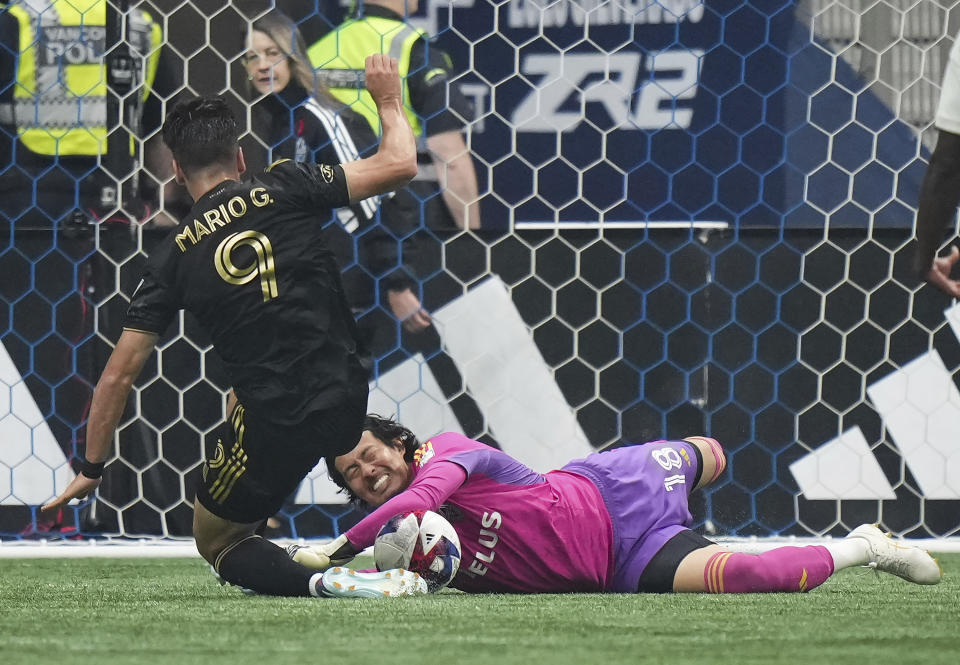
(67, 139)
(294, 117)
(445, 192)
(940, 191)
(54, 107)
(443, 200)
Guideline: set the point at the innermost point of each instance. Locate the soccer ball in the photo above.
(421, 541)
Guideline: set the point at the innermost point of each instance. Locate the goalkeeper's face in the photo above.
(375, 471)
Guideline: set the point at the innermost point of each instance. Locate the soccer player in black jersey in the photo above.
(248, 262)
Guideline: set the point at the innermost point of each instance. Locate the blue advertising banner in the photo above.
(649, 112)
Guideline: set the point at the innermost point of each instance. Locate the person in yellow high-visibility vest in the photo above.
(53, 107)
(291, 116)
(443, 200)
(436, 108)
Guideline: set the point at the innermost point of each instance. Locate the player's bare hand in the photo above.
(939, 274)
(407, 308)
(383, 79)
(79, 487)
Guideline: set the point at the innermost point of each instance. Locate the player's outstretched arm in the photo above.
(395, 162)
(109, 399)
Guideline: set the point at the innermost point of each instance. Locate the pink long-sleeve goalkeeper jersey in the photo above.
(520, 531)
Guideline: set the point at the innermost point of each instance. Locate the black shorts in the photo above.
(658, 576)
(255, 465)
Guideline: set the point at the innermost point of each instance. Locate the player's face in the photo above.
(375, 471)
(266, 64)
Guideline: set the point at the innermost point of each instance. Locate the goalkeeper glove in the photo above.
(335, 553)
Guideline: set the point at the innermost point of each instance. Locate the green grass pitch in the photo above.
(113, 611)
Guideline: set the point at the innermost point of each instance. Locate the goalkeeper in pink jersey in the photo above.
(615, 521)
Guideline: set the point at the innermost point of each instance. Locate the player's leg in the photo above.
(242, 484)
(669, 556)
(245, 481)
(646, 491)
(247, 560)
(253, 563)
(713, 461)
(214, 534)
(717, 570)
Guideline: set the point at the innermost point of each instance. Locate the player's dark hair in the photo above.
(387, 431)
(201, 133)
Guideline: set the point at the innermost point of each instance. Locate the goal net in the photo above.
(696, 219)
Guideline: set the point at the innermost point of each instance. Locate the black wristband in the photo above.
(92, 470)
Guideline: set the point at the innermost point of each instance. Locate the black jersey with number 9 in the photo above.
(249, 263)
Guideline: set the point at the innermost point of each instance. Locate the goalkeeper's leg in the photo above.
(715, 569)
(699, 565)
(796, 569)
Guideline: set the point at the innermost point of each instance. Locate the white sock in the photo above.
(849, 552)
(315, 584)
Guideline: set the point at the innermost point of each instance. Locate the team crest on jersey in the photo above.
(423, 454)
(326, 172)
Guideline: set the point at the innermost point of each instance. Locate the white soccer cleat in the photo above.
(347, 583)
(906, 561)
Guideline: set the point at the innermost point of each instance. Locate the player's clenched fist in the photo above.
(383, 79)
